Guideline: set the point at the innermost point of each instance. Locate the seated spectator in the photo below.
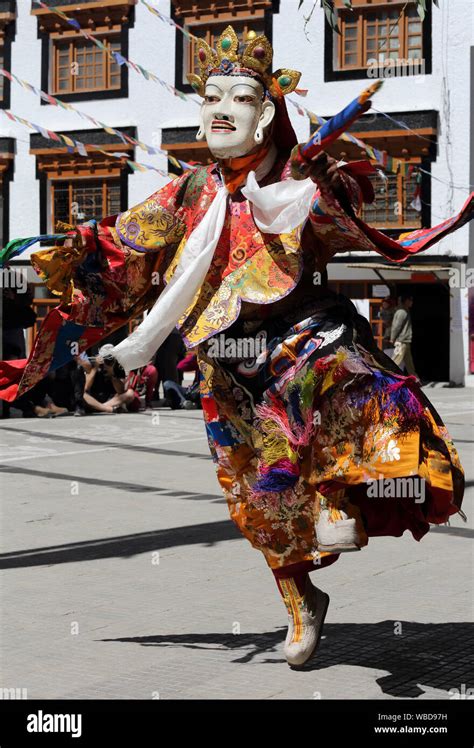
(38, 401)
(18, 314)
(105, 390)
(166, 360)
(68, 386)
(187, 398)
(143, 382)
(78, 379)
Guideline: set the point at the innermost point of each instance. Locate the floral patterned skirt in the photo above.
(303, 409)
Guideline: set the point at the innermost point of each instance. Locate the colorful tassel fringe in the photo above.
(379, 395)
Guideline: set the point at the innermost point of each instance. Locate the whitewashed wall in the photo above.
(149, 107)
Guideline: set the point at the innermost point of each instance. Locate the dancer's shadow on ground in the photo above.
(436, 655)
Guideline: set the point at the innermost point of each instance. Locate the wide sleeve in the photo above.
(157, 222)
(113, 274)
(338, 227)
(332, 213)
(111, 261)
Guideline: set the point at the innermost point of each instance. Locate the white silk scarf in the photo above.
(277, 208)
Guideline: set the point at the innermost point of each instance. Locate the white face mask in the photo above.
(234, 115)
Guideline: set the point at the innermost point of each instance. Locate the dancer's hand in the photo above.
(72, 241)
(324, 170)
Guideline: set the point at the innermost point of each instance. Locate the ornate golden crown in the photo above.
(255, 61)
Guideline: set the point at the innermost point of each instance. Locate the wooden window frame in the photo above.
(334, 43)
(112, 19)
(362, 35)
(181, 143)
(73, 42)
(197, 153)
(402, 224)
(106, 180)
(398, 144)
(263, 15)
(375, 302)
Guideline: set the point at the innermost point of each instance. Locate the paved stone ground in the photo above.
(90, 610)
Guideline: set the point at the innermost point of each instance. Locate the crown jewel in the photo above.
(255, 60)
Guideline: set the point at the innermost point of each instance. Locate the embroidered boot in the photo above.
(336, 530)
(306, 614)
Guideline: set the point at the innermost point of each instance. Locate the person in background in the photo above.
(178, 396)
(143, 382)
(401, 335)
(166, 360)
(82, 367)
(38, 402)
(18, 314)
(67, 389)
(105, 390)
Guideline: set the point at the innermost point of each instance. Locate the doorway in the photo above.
(430, 318)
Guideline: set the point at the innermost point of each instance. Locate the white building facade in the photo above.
(431, 128)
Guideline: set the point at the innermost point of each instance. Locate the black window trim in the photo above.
(116, 93)
(6, 179)
(45, 192)
(179, 44)
(10, 33)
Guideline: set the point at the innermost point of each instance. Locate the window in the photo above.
(401, 202)
(208, 19)
(79, 65)
(389, 36)
(77, 201)
(72, 66)
(389, 33)
(395, 205)
(74, 188)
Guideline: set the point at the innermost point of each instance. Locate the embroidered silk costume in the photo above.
(322, 409)
(304, 424)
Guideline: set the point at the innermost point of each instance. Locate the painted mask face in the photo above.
(234, 115)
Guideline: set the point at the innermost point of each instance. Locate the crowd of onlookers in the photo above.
(94, 382)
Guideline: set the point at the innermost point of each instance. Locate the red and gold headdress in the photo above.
(254, 61)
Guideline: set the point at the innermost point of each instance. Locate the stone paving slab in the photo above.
(123, 577)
